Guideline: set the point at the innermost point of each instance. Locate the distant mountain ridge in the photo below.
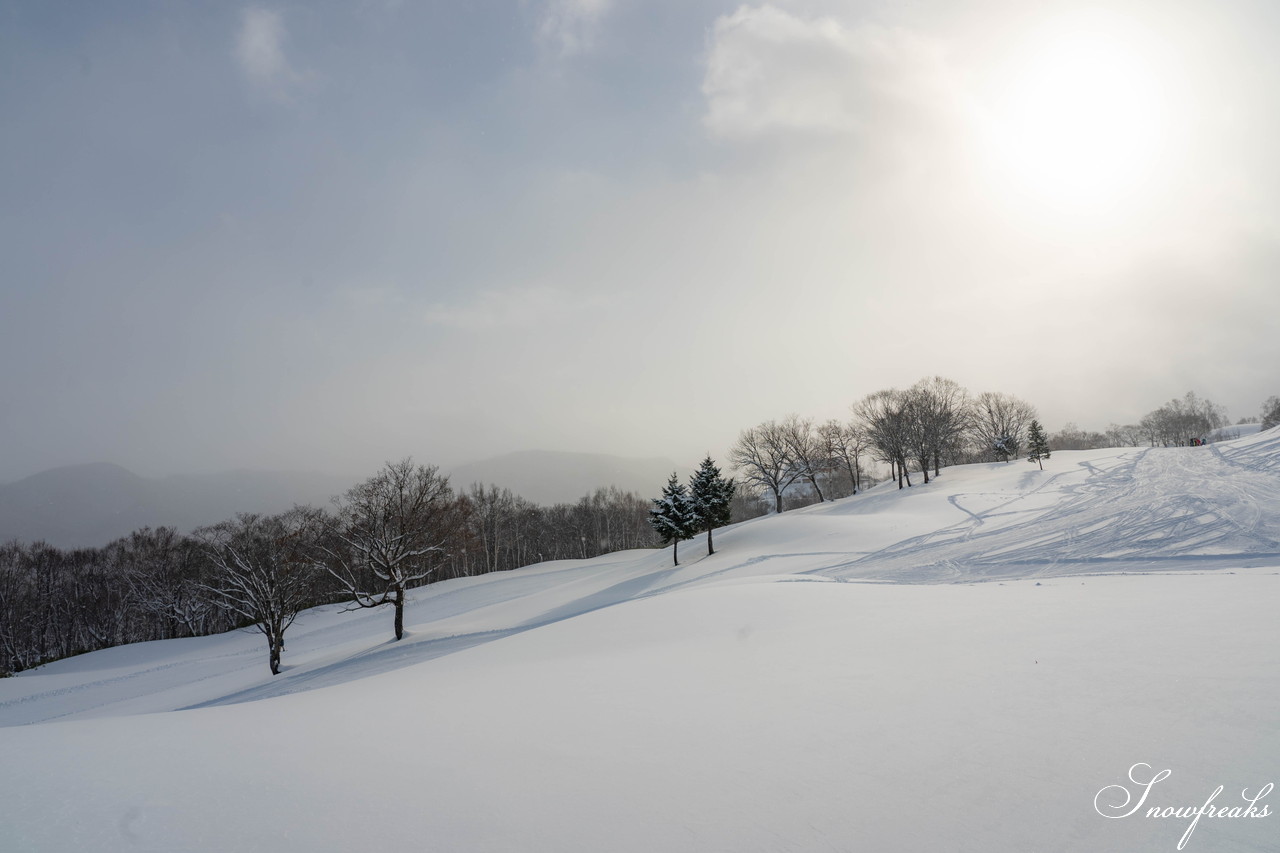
(91, 504)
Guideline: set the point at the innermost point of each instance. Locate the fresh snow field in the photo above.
(963, 666)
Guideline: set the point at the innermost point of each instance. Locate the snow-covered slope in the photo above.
(1230, 433)
(752, 700)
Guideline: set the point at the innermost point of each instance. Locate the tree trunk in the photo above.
(853, 477)
(399, 614)
(274, 643)
(675, 552)
(813, 481)
(777, 494)
(710, 550)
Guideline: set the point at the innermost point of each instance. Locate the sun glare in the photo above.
(1080, 119)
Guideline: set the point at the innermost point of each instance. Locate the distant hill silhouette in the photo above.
(90, 505)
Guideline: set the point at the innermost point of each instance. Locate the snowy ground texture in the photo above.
(960, 667)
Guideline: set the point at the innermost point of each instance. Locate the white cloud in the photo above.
(769, 71)
(259, 50)
(570, 26)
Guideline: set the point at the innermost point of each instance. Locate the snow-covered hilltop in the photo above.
(624, 704)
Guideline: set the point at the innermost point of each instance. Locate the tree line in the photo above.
(400, 529)
(1177, 423)
(921, 429)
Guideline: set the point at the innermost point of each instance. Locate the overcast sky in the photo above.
(321, 235)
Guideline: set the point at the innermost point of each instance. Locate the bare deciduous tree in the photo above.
(1000, 424)
(493, 517)
(263, 570)
(17, 652)
(942, 416)
(1072, 437)
(806, 450)
(1177, 422)
(1128, 435)
(886, 419)
(164, 572)
(844, 445)
(764, 458)
(391, 533)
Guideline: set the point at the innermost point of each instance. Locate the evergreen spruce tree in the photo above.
(710, 495)
(673, 516)
(1037, 444)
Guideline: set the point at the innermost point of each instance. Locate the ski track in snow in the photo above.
(1166, 508)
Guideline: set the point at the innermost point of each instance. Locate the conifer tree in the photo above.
(710, 495)
(1037, 444)
(673, 517)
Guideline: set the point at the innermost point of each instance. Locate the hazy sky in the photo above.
(321, 235)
